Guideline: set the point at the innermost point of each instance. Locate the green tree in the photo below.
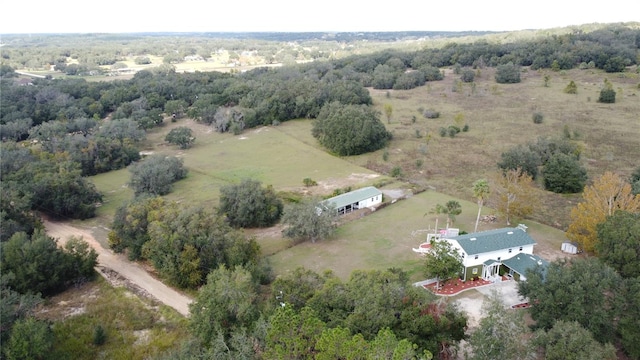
(350, 129)
(568, 340)
(310, 220)
(181, 136)
(508, 73)
(248, 204)
(607, 94)
(468, 75)
(572, 88)
(155, 174)
(228, 301)
(628, 329)
(480, 191)
(635, 181)
(442, 261)
(388, 112)
(40, 266)
(564, 174)
(176, 108)
(619, 243)
(520, 157)
(30, 339)
(590, 299)
(129, 229)
(14, 305)
(297, 287)
(501, 334)
(293, 334)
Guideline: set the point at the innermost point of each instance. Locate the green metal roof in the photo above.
(493, 240)
(520, 263)
(353, 196)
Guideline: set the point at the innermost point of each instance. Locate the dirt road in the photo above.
(118, 263)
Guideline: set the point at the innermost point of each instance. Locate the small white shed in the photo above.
(569, 247)
(357, 199)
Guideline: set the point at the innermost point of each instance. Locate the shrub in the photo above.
(572, 88)
(249, 205)
(443, 131)
(538, 118)
(465, 128)
(99, 335)
(607, 96)
(564, 174)
(508, 74)
(431, 114)
(309, 182)
(468, 75)
(396, 172)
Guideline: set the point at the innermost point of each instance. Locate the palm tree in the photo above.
(451, 209)
(480, 191)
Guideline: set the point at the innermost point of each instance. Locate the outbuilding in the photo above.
(358, 199)
(569, 247)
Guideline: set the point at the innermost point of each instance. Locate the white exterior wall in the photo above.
(370, 201)
(503, 254)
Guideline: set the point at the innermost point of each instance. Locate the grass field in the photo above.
(499, 116)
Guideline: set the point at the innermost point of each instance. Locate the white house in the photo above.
(484, 253)
(354, 200)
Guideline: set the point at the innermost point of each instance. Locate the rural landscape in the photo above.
(178, 195)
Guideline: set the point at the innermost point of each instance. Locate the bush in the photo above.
(538, 118)
(508, 74)
(465, 128)
(396, 172)
(309, 182)
(571, 88)
(468, 75)
(442, 131)
(431, 114)
(607, 96)
(181, 136)
(99, 335)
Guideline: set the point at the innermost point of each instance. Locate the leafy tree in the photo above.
(568, 340)
(293, 334)
(155, 174)
(480, 191)
(13, 305)
(30, 339)
(129, 229)
(248, 204)
(181, 136)
(513, 194)
(388, 111)
(564, 174)
(608, 194)
(40, 266)
(349, 129)
(628, 329)
(618, 243)
(508, 73)
(309, 220)
(228, 301)
(297, 287)
(187, 242)
(176, 108)
(582, 290)
(607, 94)
(442, 261)
(501, 334)
(521, 157)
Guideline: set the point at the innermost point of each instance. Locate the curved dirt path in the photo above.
(121, 265)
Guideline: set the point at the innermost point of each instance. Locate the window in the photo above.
(499, 258)
(476, 257)
(520, 248)
(509, 251)
(475, 271)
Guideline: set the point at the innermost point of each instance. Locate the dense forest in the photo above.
(58, 131)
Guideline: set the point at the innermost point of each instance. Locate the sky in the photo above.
(123, 16)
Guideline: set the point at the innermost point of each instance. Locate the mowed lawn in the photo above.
(385, 239)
